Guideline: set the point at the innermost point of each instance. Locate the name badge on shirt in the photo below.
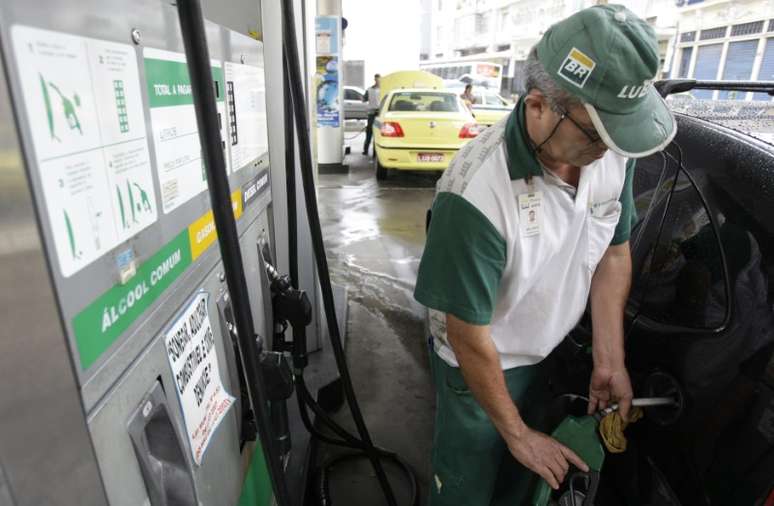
(531, 213)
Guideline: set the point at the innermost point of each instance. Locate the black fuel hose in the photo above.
(290, 173)
(302, 131)
(305, 399)
(363, 443)
(197, 54)
(303, 396)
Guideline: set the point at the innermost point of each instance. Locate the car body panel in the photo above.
(431, 137)
(488, 107)
(701, 310)
(488, 115)
(408, 159)
(408, 79)
(355, 106)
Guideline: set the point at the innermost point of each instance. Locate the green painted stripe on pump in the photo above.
(257, 490)
(105, 319)
(169, 83)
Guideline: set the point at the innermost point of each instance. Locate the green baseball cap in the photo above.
(608, 57)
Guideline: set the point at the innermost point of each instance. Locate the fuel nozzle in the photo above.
(291, 306)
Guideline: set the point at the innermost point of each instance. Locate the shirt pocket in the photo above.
(600, 228)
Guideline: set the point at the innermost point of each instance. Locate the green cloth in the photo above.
(628, 217)
(471, 463)
(461, 240)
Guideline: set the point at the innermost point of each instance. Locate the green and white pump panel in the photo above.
(106, 118)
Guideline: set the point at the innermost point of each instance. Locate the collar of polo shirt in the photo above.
(522, 161)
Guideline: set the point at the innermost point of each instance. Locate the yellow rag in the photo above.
(612, 427)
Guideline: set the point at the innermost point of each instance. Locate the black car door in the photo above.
(702, 312)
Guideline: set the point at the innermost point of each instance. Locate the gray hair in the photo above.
(536, 78)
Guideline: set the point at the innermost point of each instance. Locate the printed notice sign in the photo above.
(246, 100)
(181, 170)
(83, 102)
(190, 346)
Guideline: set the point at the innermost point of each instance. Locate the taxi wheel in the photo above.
(381, 171)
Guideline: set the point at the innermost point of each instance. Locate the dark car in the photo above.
(699, 321)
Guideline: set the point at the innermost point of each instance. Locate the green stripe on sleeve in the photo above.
(628, 213)
(462, 263)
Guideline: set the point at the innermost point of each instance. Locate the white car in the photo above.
(355, 106)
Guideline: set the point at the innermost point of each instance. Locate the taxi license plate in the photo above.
(430, 157)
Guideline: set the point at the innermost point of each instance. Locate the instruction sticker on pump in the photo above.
(83, 103)
(181, 170)
(246, 100)
(190, 345)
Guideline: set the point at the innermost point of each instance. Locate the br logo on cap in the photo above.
(577, 67)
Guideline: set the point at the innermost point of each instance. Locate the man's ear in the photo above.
(536, 104)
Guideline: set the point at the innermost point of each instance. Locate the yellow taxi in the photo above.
(420, 125)
(489, 108)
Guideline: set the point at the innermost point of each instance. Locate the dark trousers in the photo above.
(369, 132)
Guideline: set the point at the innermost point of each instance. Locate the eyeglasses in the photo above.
(591, 135)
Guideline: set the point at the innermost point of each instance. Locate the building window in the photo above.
(685, 62)
(482, 24)
(706, 68)
(738, 67)
(471, 51)
(503, 47)
(766, 72)
(713, 33)
(747, 28)
(505, 21)
(771, 26)
(688, 37)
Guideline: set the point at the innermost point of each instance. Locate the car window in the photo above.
(732, 109)
(651, 181)
(493, 100)
(352, 95)
(424, 101)
(684, 276)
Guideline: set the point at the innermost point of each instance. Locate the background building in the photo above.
(503, 31)
(728, 40)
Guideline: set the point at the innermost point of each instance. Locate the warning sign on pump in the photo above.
(190, 345)
(83, 102)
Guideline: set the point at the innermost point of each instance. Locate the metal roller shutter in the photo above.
(767, 69)
(738, 66)
(707, 63)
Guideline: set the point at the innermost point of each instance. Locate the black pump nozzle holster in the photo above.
(291, 306)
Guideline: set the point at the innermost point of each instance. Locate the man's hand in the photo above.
(610, 385)
(480, 366)
(545, 456)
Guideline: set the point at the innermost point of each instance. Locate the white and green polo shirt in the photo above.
(485, 265)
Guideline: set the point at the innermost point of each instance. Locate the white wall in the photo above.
(383, 34)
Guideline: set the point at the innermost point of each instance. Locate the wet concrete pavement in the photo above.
(374, 234)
